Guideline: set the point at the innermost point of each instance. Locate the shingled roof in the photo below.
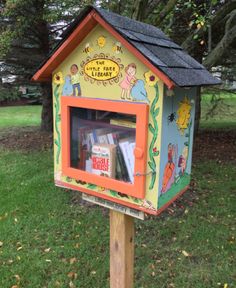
(152, 43)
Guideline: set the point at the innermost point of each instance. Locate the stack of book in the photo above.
(108, 150)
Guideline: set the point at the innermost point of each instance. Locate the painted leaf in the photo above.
(156, 153)
(152, 130)
(152, 165)
(156, 112)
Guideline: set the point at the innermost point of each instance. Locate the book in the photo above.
(103, 160)
(123, 123)
(124, 146)
(131, 155)
(120, 159)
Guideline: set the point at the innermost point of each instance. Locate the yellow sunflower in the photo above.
(150, 78)
(58, 78)
(184, 115)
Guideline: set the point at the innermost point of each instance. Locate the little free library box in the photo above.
(124, 103)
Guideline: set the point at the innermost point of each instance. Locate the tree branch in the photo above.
(225, 10)
(165, 11)
(216, 54)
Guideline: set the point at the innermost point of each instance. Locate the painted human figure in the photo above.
(169, 172)
(75, 80)
(182, 163)
(127, 83)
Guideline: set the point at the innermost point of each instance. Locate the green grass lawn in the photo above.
(49, 241)
(225, 113)
(20, 116)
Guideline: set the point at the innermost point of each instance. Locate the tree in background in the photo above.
(30, 28)
(206, 29)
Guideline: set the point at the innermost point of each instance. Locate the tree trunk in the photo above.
(47, 115)
(139, 10)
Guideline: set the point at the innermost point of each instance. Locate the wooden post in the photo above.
(121, 250)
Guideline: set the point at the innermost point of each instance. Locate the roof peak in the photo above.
(146, 41)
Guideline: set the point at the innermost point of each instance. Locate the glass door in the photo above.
(104, 143)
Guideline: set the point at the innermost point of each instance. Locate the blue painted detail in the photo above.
(138, 92)
(175, 166)
(67, 89)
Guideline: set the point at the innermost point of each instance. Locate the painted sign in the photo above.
(102, 68)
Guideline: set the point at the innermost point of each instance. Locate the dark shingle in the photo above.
(190, 77)
(168, 56)
(160, 50)
(148, 39)
(130, 24)
(148, 54)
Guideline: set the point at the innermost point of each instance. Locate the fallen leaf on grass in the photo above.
(73, 260)
(15, 286)
(186, 254)
(77, 245)
(72, 275)
(93, 272)
(47, 250)
(48, 260)
(71, 284)
(17, 278)
(225, 285)
(1, 244)
(19, 248)
(3, 216)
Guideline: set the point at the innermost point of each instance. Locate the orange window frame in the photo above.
(140, 110)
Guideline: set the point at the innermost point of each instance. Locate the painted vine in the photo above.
(153, 152)
(57, 120)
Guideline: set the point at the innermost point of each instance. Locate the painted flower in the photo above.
(58, 78)
(150, 78)
(184, 114)
(154, 149)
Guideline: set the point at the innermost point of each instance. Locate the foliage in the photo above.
(30, 28)
(7, 93)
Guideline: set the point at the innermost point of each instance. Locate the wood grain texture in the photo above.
(121, 250)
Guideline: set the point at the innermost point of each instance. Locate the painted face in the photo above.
(73, 69)
(131, 71)
(101, 41)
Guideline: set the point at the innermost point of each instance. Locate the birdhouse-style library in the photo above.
(124, 99)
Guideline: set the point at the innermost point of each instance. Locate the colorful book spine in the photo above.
(123, 123)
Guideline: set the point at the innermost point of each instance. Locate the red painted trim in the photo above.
(75, 38)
